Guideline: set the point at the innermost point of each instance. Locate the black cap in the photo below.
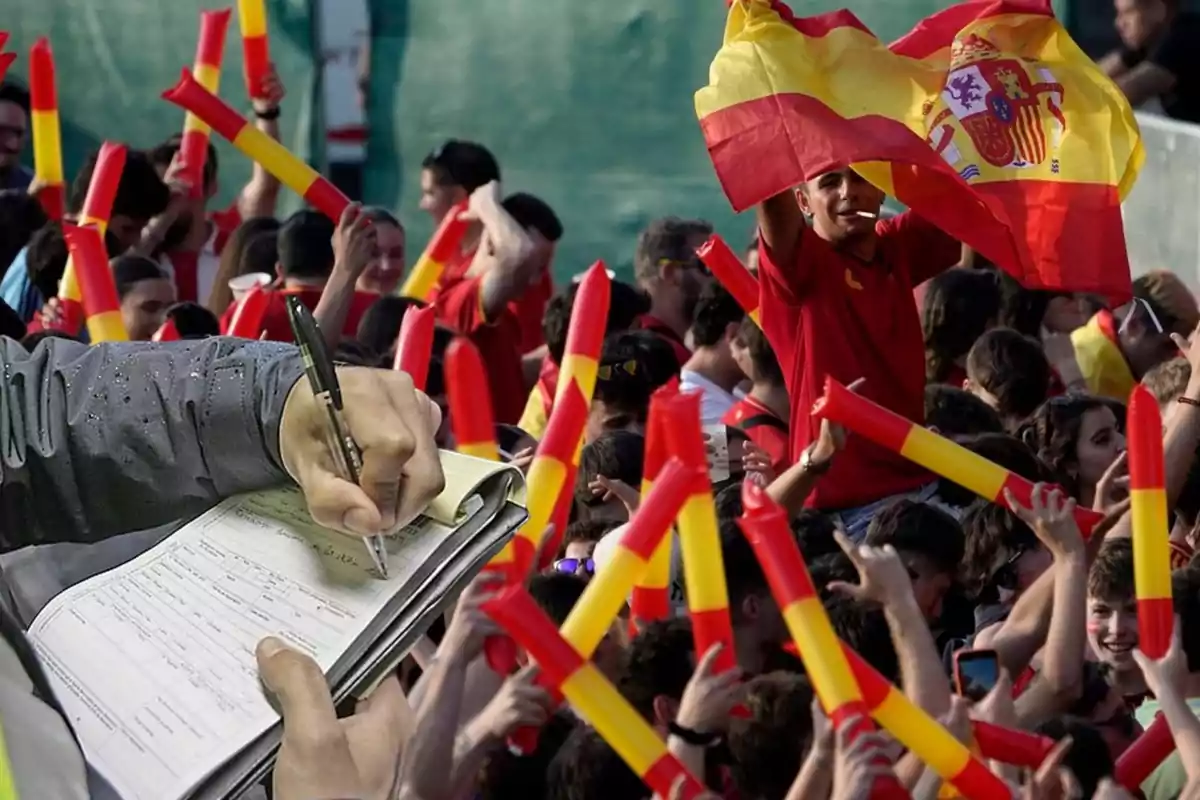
(466, 164)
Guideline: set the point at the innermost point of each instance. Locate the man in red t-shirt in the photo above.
(837, 301)
(538, 219)
(763, 413)
(669, 272)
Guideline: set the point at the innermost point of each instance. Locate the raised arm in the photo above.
(110, 438)
(259, 195)
(504, 259)
(780, 225)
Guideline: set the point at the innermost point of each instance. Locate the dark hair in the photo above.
(728, 501)
(1110, 577)
(305, 245)
(1013, 369)
(252, 247)
(959, 306)
(658, 661)
(380, 324)
(667, 239)
(1053, 432)
(507, 775)
(865, 630)
(588, 531)
(990, 530)
(381, 215)
(716, 310)
(1004, 450)
(130, 270)
(46, 259)
(1185, 594)
(653, 364)
(921, 529)
(162, 155)
(1168, 380)
(460, 163)
(614, 454)
(1088, 757)
(769, 746)
(587, 768)
(744, 575)
(556, 593)
(141, 194)
(16, 94)
(626, 304)
(21, 215)
(957, 412)
(762, 355)
(194, 321)
(11, 324)
(533, 212)
(1023, 309)
(814, 533)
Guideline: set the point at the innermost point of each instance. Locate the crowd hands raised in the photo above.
(910, 567)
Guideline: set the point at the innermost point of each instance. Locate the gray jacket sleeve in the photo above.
(103, 439)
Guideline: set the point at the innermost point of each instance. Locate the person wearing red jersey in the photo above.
(837, 301)
(669, 272)
(187, 238)
(763, 413)
(534, 214)
(475, 302)
(449, 174)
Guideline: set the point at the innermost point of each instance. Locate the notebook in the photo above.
(153, 661)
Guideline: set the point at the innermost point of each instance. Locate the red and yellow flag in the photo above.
(986, 119)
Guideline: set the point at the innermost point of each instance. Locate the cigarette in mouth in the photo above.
(866, 215)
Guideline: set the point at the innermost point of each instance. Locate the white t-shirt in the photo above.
(715, 402)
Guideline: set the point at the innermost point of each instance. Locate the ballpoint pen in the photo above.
(318, 366)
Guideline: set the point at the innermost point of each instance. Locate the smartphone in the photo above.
(975, 673)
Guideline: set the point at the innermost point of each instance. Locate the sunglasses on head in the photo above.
(571, 565)
(607, 371)
(1006, 576)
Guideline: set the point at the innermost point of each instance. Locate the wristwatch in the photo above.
(810, 467)
(694, 738)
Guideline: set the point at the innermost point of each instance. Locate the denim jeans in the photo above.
(855, 520)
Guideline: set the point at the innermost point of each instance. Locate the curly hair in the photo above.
(1052, 432)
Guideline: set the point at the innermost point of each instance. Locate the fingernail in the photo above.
(359, 520)
(270, 646)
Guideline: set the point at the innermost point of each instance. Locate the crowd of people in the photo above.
(912, 569)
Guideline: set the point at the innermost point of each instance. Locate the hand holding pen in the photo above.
(322, 377)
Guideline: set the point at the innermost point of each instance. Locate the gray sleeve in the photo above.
(103, 439)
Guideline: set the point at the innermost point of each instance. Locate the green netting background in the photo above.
(586, 104)
(114, 57)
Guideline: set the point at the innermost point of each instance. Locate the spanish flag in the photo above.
(986, 119)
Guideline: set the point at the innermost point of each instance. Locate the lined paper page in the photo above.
(154, 661)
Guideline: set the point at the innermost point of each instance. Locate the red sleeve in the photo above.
(923, 248)
(460, 306)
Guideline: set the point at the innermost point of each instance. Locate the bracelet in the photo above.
(694, 738)
(269, 114)
(1187, 401)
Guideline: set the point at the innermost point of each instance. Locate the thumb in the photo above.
(852, 590)
(303, 695)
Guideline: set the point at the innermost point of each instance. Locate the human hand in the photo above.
(1169, 673)
(823, 745)
(883, 578)
(708, 699)
(1052, 780)
(469, 626)
(758, 464)
(272, 91)
(355, 242)
(53, 315)
(680, 785)
(861, 760)
(482, 200)
(997, 706)
(520, 703)
(320, 755)
(394, 426)
(1052, 518)
(179, 188)
(1108, 789)
(523, 458)
(832, 438)
(1113, 485)
(611, 488)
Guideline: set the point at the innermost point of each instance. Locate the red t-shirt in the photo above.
(460, 307)
(529, 309)
(773, 438)
(275, 320)
(830, 314)
(653, 324)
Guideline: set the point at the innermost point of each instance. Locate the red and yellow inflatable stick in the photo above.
(732, 273)
(302, 179)
(1148, 506)
(247, 319)
(414, 345)
(443, 245)
(699, 541)
(590, 693)
(206, 70)
(651, 599)
(922, 734)
(766, 527)
(97, 208)
(47, 134)
(1142, 757)
(6, 59)
(585, 333)
(256, 58)
(101, 305)
(935, 453)
(470, 403)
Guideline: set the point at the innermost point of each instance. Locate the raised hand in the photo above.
(1052, 518)
(883, 578)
